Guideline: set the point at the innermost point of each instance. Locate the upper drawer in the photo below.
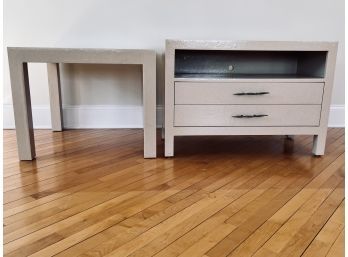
(248, 93)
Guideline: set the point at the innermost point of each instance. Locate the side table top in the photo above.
(81, 55)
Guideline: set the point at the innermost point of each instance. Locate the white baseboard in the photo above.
(86, 116)
(336, 118)
(114, 116)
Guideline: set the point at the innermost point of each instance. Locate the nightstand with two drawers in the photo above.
(248, 88)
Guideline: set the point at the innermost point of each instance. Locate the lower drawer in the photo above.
(246, 115)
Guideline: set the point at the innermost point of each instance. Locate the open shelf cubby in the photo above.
(241, 64)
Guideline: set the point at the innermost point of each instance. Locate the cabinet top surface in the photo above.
(252, 45)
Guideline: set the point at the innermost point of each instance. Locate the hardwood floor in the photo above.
(90, 193)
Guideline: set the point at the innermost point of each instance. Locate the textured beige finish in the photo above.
(210, 131)
(222, 115)
(225, 93)
(55, 96)
(22, 108)
(20, 56)
(320, 138)
(214, 91)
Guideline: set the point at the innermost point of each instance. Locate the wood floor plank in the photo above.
(208, 241)
(128, 171)
(99, 187)
(299, 242)
(5, 205)
(106, 206)
(261, 235)
(327, 235)
(249, 226)
(193, 236)
(292, 227)
(119, 165)
(337, 249)
(147, 171)
(56, 171)
(144, 253)
(26, 190)
(107, 248)
(90, 193)
(147, 219)
(83, 147)
(131, 208)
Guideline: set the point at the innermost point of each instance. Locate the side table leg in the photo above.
(149, 102)
(22, 109)
(55, 96)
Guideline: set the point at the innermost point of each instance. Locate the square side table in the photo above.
(19, 57)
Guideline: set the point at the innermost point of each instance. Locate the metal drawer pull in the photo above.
(250, 116)
(251, 93)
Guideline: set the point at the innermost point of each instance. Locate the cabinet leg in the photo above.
(290, 137)
(319, 142)
(169, 146)
(162, 133)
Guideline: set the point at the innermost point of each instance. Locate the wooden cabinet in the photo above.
(248, 88)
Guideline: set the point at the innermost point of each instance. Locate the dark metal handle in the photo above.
(252, 93)
(250, 116)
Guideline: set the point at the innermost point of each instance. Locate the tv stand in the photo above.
(248, 88)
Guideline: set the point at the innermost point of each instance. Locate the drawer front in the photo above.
(246, 115)
(248, 93)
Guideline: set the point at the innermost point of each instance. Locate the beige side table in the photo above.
(19, 57)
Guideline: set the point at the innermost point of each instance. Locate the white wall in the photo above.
(146, 24)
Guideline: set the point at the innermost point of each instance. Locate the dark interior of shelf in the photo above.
(249, 64)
